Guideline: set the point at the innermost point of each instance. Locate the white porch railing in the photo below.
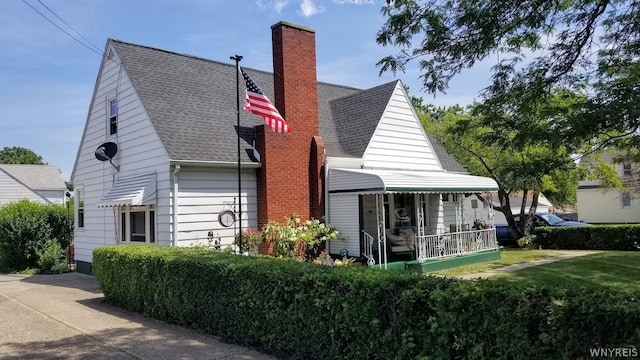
(457, 243)
(367, 251)
(437, 246)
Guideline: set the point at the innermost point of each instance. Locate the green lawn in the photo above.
(619, 270)
(507, 257)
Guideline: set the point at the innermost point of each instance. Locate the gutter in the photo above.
(222, 164)
(176, 170)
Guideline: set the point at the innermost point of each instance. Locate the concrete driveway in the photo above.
(64, 317)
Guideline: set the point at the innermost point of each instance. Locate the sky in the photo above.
(47, 77)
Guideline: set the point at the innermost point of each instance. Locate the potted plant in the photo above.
(480, 224)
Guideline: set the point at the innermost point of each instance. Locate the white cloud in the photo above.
(279, 5)
(276, 5)
(309, 8)
(356, 2)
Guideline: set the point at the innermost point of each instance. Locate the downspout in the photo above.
(176, 170)
(325, 169)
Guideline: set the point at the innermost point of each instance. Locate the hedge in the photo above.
(308, 311)
(595, 237)
(27, 229)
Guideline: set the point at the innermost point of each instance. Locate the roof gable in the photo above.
(354, 119)
(36, 177)
(399, 140)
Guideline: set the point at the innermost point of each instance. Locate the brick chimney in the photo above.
(290, 178)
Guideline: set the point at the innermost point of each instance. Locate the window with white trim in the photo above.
(626, 200)
(112, 115)
(79, 206)
(626, 169)
(137, 224)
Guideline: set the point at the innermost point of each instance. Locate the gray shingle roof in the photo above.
(36, 177)
(354, 119)
(192, 104)
(447, 161)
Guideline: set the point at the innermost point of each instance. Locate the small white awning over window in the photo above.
(135, 190)
(371, 181)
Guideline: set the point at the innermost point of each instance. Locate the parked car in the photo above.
(505, 238)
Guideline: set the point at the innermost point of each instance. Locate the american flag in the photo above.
(257, 103)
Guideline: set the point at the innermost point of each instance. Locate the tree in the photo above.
(589, 47)
(19, 155)
(517, 166)
(566, 80)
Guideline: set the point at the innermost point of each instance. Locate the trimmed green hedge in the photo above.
(28, 229)
(319, 312)
(595, 237)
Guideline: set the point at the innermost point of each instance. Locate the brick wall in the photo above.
(288, 171)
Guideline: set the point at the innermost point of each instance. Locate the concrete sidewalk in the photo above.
(568, 254)
(63, 317)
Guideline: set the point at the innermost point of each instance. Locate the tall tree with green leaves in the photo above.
(526, 167)
(19, 155)
(536, 46)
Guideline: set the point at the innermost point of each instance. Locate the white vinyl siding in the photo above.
(598, 206)
(52, 196)
(12, 191)
(140, 152)
(399, 141)
(343, 214)
(436, 214)
(204, 193)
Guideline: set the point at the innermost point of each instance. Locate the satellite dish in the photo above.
(106, 152)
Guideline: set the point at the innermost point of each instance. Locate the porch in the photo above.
(435, 252)
(409, 219)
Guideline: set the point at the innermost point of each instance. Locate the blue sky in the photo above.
(47, 77)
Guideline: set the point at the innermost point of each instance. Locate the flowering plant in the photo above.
(324, 259)
(251, 238)
(298, 239)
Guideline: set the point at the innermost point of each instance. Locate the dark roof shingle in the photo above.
(192, 103)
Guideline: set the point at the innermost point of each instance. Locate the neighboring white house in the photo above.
(158, 158)
(476, 209)
(599, 205)
(39, 183)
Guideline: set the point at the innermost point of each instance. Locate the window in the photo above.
(474, 204)
(626, 200)
(112, 115)
(79, 205)
(404, 209)
(626, 169)
(137, 225)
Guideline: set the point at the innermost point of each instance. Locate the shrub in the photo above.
(251, 239)
(51, 258)
(297, 238)
(307, 311)
(594, 237)
(25, 229)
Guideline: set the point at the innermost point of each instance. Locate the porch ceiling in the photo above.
(371, 181)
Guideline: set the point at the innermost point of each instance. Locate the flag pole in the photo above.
(237, 59)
